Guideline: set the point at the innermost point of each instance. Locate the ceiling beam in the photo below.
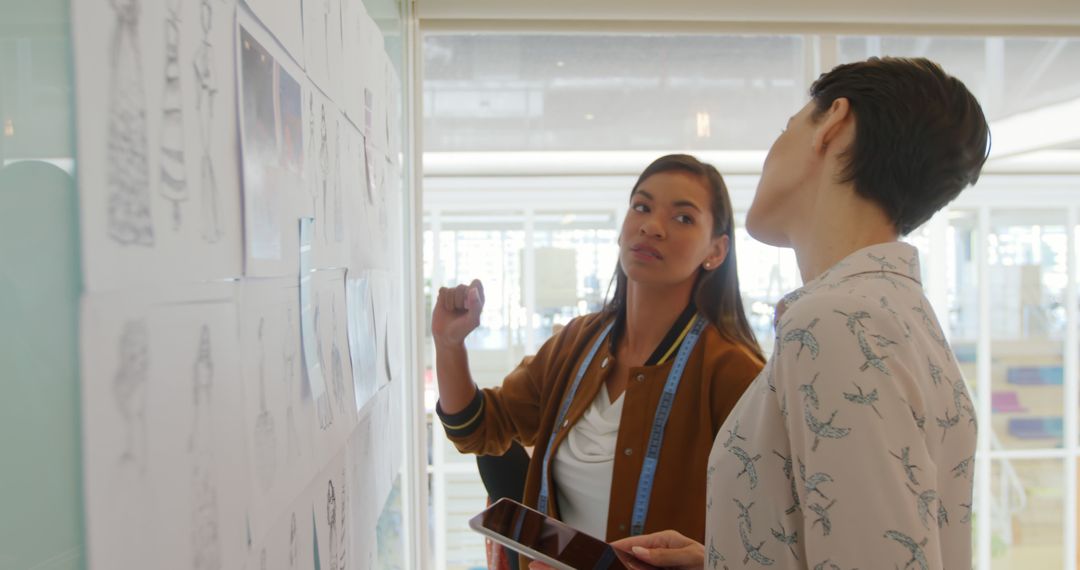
(526, 164)
(1043, 128)
(1060, 14)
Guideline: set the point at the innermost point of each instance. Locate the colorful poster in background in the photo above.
(282, 19)
(271, 119)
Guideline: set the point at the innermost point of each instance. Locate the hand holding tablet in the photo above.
(549, 540)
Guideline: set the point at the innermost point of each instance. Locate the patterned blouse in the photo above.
(854, 447)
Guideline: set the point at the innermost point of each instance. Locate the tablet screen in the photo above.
(550, 537)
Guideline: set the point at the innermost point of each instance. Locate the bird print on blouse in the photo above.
(854, 447)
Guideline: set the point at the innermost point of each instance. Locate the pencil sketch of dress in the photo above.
(173, 175)
(326, 35)
(309, 144)
(343, 536)
(339, 213)
(265, 438)
(129, 390)
(292, 443)
(292, 542)
(337, 369)
(206, 80)
(128, 179)
(324, 170)
(322, 403)
(331, 518)
(205, 542)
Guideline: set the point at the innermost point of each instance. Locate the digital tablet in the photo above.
(548, 540)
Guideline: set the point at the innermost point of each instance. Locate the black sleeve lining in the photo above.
(466, 421)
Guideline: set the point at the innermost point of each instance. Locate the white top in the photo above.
(583, 465)
(854, 447)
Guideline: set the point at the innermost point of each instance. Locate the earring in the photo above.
(708, 265)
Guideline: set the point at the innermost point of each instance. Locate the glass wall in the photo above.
(998, 264)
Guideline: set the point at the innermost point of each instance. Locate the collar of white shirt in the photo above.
(895, 257)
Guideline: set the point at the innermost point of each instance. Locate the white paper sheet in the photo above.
(361, 456)
(363, 349)
(323, 51)
(329, 496)
(369, 245)
(312, 367)
(395, 114)
(353, 28)
(158, 177)
(164, 460)
(331, 322)
(272, 127)
(313, 531)
(324, 179)
(279, 414)
(290, 542)
(373, 461)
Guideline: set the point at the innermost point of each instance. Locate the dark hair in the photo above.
(716, 292)
(920, 135)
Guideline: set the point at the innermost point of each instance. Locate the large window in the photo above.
(533, 142)
(596, 92)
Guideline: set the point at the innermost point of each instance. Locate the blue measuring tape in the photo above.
(656, 435)
(542, 502)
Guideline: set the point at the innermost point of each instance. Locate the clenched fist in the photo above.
(457, 313)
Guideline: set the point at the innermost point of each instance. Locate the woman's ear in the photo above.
(833, 125)
(718, 251)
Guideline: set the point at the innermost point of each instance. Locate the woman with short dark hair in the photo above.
(855, 446)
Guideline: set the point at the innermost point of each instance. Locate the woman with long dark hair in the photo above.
(622, 405)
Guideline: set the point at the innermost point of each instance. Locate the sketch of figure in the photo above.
(339, 213)
(129, 390)
(322, 404)
(128, 180)
(206, 80)
(173, 167)
(383, 209)
(292, 542)
(292, 440)
(331, 518)
(337, 370)
(326, 36)
(342, 535)
(265, 439)
(324, 170)
(205, 544)
(309, 144)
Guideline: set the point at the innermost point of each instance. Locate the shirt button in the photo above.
(628, 451)
(640, 377)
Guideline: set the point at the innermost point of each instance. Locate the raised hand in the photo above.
(457, 313)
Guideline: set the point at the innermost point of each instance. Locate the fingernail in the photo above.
(639, 551)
